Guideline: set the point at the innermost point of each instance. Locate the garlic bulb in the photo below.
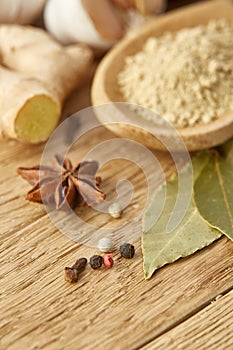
(73, 21)
(20, 11)
(98, 25)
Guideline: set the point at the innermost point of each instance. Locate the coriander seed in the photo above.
(115, 210)
(127, 250)
(96, 261)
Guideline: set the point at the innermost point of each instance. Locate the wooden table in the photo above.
(186, 305)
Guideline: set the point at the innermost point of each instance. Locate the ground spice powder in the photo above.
(184, 76)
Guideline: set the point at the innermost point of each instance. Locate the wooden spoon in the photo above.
(105, 88)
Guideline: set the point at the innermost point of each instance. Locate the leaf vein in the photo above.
(223, 190)
(177, 233)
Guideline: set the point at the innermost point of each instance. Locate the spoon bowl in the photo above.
(106, 90)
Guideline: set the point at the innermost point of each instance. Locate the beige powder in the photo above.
(185, 76)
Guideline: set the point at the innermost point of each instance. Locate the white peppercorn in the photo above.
(105, 245)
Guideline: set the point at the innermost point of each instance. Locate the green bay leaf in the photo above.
(213, 190)
(193, 233)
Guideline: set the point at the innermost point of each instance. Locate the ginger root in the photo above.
(36, 75)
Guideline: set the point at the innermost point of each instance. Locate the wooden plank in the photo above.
(113, 308)
(209, 329)
(117, 307)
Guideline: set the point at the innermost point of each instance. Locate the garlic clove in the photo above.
(54, 21)
(70, 23)
(105, 19)
(20, 11)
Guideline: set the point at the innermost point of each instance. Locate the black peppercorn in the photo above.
(96, 261)
(127, 250)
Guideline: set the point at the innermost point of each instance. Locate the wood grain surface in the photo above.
(216, 333)
(115, 309)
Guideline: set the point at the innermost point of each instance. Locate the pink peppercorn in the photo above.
(108, 260)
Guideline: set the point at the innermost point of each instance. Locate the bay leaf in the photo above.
(213, 190)
(193, 233)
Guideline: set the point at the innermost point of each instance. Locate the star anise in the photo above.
(64, 184)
